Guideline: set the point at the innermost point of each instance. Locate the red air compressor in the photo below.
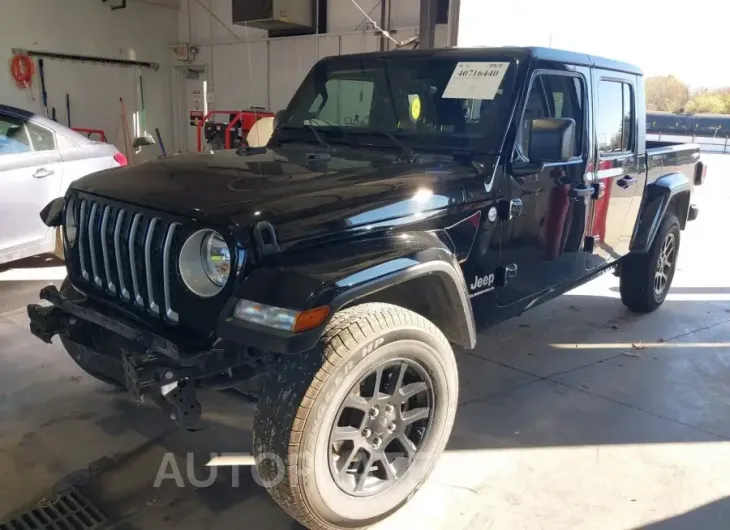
(229, 134)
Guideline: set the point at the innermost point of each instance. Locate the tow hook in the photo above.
(183, 404)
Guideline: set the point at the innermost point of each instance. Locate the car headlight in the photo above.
(216, 259)
(205, 263)
(70, 222)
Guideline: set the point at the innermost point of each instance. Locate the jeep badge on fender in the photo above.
(482, 283)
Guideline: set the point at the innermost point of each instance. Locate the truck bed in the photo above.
(664, 158)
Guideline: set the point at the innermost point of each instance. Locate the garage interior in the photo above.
(578, 414)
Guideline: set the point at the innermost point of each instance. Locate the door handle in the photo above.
(580, 192)
(42, 173)
(626, 182)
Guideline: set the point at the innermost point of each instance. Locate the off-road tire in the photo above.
(638, 270)
(304, 393)
(106, 369)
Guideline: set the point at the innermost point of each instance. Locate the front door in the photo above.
(617, 169)
(31, 173)
(540, 246)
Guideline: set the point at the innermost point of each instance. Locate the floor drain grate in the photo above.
(68, 511)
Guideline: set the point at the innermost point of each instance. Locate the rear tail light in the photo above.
(700, 173)
(120, 159)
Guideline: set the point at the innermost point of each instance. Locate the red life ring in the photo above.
(22, 70)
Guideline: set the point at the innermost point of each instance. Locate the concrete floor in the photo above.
(577, 415)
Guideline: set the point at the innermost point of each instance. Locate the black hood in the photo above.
(302, 190)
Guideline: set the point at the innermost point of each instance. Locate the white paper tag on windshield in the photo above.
(475, 81)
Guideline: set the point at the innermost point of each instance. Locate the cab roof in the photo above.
(517, 53)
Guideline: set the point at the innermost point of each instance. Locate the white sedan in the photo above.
(39, 158)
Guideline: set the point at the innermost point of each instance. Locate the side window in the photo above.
(13, 136)
(64, 143)
(42, 139)
(614, 127)
(555, 96)
(535, 108)
(628, 123)
(348, 104)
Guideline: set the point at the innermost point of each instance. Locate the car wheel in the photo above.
(647, 278)
(102, 367)
(346, 433)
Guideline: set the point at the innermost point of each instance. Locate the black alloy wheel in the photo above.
(647, 277)
(380, 427)
(665, 265)
(347, 432)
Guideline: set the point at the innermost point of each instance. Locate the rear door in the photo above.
(616, 174)
(31, 173)
(81, 159)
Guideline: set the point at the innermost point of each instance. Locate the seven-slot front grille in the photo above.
(127, 254)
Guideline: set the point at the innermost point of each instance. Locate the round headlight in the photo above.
(205, 263)
(216, 259)
(69, 225)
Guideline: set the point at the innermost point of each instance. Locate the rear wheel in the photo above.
(647, 278)
(105, 368)
(346, 433)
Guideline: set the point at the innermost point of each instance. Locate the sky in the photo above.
(685, 38)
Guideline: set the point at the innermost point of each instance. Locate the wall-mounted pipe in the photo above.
(383, 15)
(427, 26)
(453, 23)
(389, 17)
(320, 16)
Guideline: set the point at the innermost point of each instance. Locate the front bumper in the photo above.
(153, 366)
(47, 321)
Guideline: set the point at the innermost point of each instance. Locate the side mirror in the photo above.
(551, 140)
(141, 141)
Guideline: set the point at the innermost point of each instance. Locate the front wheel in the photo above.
(646, 278)
(346, 433)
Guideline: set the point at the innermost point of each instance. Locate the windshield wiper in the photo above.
(318, 136)
(408, 152)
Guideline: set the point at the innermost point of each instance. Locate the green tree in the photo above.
(666, 93)
(708, 102)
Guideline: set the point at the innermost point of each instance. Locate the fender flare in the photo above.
(444, 269)
(658, 196)
(342, 277)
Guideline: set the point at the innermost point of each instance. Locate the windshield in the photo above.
(420, 101)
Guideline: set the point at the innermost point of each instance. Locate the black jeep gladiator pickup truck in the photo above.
(406, 201)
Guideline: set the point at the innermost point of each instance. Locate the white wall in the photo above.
(343, 16)
(197, 23)
(266, 73)
(142, 32)
(245, 68)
